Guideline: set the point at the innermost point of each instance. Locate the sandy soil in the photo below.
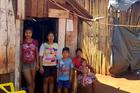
(129, 83)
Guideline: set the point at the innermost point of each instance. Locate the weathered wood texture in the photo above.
(95, 42)
(61, 34)
(71, 36)
(7, 37)
(131, 17)
(36, 8)
(57, 13)
(40, 8)
(87, 4)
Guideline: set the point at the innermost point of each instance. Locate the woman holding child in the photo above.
(85, 73)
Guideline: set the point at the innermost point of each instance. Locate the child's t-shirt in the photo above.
(29, 51)
(64, 67)
(49, 54)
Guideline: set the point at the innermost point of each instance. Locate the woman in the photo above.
(48, 56)
(29, 58)
(77, 61)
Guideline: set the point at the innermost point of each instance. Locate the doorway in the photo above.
(41, 28)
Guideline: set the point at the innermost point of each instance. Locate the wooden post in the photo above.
(19, 30)
(61, 34)
(71, 36)
(19, 34)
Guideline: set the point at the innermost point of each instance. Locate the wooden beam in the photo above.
(71, 36)
(55, 13)
(40, 10)
(61, 34)
(19, 35)
(21, 9)
(34, 6)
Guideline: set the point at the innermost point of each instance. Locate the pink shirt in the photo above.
(29, 51)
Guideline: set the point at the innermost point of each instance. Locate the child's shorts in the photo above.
(27, 66)
(63, 84)
(50, 71)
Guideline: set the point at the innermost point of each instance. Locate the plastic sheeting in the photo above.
(122, 5)
(126, 50)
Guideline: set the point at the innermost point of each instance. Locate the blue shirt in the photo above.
(64, 69)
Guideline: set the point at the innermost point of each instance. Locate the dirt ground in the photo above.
(128, 83)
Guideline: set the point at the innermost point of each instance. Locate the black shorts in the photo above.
(50, 71)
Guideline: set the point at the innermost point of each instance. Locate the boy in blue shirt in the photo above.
(64, 71)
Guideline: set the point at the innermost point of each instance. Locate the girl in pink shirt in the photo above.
(30, 59)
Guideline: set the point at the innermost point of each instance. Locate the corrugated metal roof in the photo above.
(122, 5)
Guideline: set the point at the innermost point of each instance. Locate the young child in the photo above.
(30, 59)
(64, 71)
(85, 77)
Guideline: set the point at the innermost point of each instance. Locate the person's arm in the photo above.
(37, 59)
(91, 69)
(71, 72)
(57, 71)
(41, 53)
(40, 65)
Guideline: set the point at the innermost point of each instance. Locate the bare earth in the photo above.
(129, 83)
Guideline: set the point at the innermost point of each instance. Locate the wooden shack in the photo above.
(65, 17)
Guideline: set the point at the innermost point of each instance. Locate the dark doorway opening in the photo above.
(41, 28)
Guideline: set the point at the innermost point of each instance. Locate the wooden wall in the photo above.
(96, 39)
(7, 41)
(131, 17)
(36, 8)
(71, 36)
(7, 37)
(87, 4)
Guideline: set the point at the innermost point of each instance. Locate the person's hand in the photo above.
(37, 67)
(41, 70)
(93, 70)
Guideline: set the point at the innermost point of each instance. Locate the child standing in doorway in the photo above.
(64, 71)
(30, 59)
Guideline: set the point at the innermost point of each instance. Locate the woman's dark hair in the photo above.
(49, 34)
(66, 49)
(28, 28)
(83, 60)
(78, 49)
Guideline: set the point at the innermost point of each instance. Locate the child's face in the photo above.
(50, 37)
(84, 63)
(65, 54)
(28, 34)
(79, 53)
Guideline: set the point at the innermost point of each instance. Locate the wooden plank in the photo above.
(46, 2)
(99, 55)
(40, 10)
(11, 37)
(21, 9)
(27, 8)
(3, 38)
(34, 5)
(3, 62)
(55, 13)
(19, 35)
(61, 34)
(87, 5)
(60, 1)
(71, 36)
